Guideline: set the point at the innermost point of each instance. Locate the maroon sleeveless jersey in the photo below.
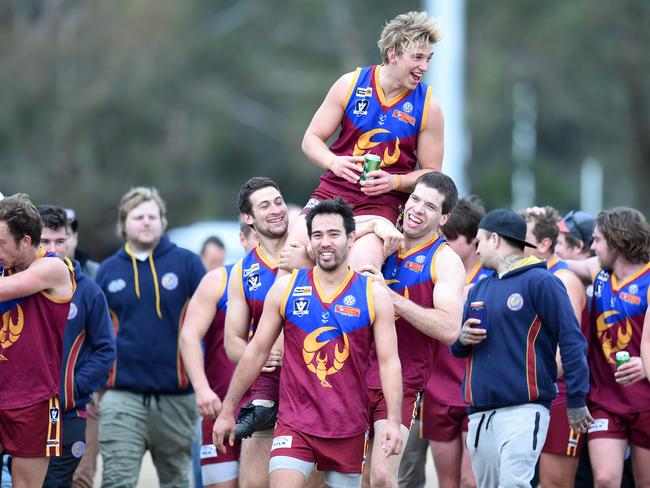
(413, 275)
(327, 340)
(31, 346)
(387, 128)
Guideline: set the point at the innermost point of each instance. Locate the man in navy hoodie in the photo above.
(88, 351)
(149, 404)
(513, 323)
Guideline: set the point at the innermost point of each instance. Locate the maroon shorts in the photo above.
(561, 439)
(366, 205)
(442, 423)
(32, 432)
(378, 410)
(634, 427)
(209, 453)
(342, 455)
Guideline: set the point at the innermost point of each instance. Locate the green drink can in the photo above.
(371, 162)
(622, 357)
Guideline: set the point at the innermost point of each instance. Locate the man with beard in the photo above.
(261, 207)
(619, 397)
(425, 282)
(330, 316)
(513, 322)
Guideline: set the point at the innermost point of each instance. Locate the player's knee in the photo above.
(383, 477)
(606, 479)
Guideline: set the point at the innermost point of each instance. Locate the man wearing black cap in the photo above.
(576, 235)
(513, 322)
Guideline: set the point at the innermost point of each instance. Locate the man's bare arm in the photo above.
(45, 274)
(585, 269)
(238, 317)
(323, 125)
(198, 319)
(443, 321)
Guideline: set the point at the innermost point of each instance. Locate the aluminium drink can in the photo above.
(371, 162)
(622, 357)
(477, 310)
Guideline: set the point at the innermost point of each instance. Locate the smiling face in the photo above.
(411, 65)
(269, 215)
(423, 212)
(329, 241)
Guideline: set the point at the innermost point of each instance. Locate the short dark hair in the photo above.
(212, 240)
(513, 242)
(245, 229)
(626, 231)
(444, 184)
(250, 187)
(337, 206)
(464, 218)
(53, 217)
(545, 223)
(22, 218)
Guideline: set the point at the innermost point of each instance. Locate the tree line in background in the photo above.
(194, 97)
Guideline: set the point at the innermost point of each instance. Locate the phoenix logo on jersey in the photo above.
(311, 346)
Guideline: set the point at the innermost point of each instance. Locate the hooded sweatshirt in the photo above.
(88, 345)
(147, 301)
(528, 314)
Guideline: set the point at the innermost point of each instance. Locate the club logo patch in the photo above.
(72, 313)
(414, 266)
(404, 117)
(348, 311)
(169, 281)
(515, 302)
(407, 107)
(349, 300)
(54, 415)
(420, 258)
(301, 307)
(361, 107)
(633, 288)
(116, 285)
(324, 317)
(77, 449)
(253, 282)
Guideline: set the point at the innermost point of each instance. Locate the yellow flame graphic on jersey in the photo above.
(365, 142)
(10, 331)
(311, 346)
(610, 344)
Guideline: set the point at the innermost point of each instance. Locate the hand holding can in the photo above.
(478, 311)
(371, 162)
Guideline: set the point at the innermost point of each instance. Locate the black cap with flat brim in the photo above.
(507, 223)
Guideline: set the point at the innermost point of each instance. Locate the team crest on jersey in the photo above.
(361, 107)
(420, 258)
(301, 307)
(414, 266)
(116, 285)
(311, 352)
(254, 282)
(302, 291)
(349, 300)
(633, 288)
(54, 415)
(364, 92)
(382, 119)
(169, 281)
(598, 288)
(72, 313)
(324, 317)
(515, 302)
(251, 269)
(407, 107)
